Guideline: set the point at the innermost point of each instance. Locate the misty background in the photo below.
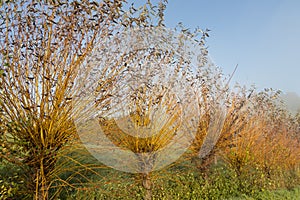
(262, 37)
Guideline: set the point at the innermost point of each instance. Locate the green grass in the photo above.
(181, 181)
(292, 194)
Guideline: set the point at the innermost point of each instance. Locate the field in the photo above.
(182, 180)
(164, 121)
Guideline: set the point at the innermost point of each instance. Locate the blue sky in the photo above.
(261, 36)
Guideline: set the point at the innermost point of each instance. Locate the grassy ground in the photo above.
(182, 181)
(293, 194)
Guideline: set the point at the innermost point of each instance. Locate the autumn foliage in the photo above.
(44, 59)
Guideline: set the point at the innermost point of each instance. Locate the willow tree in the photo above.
(259, 138)
(42, 45)
(151, 114)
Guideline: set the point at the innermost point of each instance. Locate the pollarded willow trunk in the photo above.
(38, 178)
(41, 187)
(146, 165)
(147, 185)
(41, 177)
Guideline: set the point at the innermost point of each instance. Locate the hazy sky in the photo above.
(261, 36)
